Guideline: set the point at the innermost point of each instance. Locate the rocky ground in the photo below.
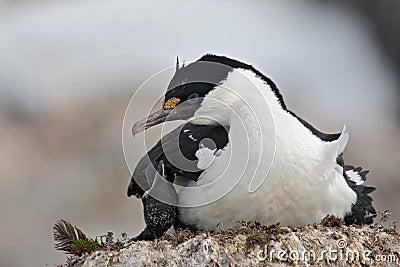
(252, 244)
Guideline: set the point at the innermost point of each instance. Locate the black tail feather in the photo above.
(362, 212)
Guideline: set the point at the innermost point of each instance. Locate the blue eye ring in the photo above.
(192, 99)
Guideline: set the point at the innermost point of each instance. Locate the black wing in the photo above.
(173, 148)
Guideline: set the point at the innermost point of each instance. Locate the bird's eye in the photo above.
(193, 98)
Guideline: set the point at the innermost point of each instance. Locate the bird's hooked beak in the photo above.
(169, 112)
(157, 117)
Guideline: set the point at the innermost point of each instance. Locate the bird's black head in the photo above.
(186, 91)
(193, 82)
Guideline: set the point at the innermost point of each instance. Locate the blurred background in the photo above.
(68, 70)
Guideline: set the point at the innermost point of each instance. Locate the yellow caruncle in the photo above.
(171, 103)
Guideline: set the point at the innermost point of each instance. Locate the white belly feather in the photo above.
(302, 183)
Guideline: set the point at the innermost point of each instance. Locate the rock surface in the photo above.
(252, 244)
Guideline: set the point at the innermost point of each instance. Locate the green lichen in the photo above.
(82, 246)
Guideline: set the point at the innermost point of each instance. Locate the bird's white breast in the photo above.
(272, 170)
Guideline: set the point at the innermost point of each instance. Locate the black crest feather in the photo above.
(177, 64)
